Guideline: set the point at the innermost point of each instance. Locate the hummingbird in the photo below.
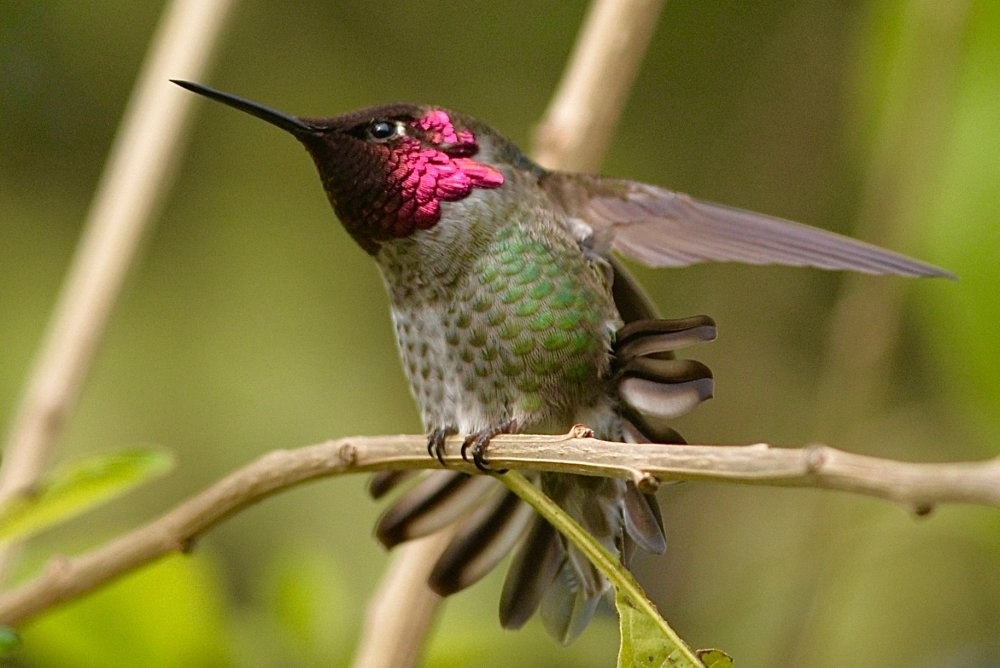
(513, 312)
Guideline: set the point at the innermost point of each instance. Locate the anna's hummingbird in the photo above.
(511, 314)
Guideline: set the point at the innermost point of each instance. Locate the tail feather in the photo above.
(432, 504)
(643, 522)
(596, 504)
(566, 609)
(535, 565)
(635, 431)
(643, 338)
(483, 540)
(383, 482)
(630, 299)
(661, 390)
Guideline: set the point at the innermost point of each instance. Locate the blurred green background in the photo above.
(254, 323)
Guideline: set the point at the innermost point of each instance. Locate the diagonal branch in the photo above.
(133, 185)
(918, 486)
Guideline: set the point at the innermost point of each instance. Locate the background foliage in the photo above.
(254, 323)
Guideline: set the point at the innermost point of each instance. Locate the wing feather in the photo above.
(663, 228)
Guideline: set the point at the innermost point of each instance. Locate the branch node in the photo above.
(645, 482)
(923, 509)
(347, 454)
(185, 544)
(816, 456)
(59, 566)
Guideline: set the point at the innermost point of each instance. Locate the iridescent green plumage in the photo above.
(510, 322)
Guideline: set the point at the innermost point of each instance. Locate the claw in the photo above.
(435, 443)
(479, 441)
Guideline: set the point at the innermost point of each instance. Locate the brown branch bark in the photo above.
(917, 486)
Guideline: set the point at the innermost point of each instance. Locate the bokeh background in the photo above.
(254, 323)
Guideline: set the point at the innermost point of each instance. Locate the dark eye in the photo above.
(383, 130)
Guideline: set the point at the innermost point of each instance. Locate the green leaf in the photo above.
(646, 639)
(715, 658)
(10, 641)
(78, 487)
(642, 644)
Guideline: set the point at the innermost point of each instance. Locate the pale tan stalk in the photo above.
(135, 179)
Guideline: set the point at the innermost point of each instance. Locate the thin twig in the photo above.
(131, 189)
(919, 487)
(575, 131)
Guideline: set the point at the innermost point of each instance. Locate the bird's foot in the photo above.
(478, 442)
(435, 443)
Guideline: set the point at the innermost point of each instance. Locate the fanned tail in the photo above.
(652, 388)
(648, 387)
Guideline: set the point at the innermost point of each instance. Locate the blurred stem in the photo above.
(918, 86)
(402, 630)
(573, 135)
(133, 185)
(865, 326)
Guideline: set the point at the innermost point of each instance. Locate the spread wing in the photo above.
(662, 228)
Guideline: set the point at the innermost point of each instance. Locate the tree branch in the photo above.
(918, 486)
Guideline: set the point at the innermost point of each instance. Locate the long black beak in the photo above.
(284, 121)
